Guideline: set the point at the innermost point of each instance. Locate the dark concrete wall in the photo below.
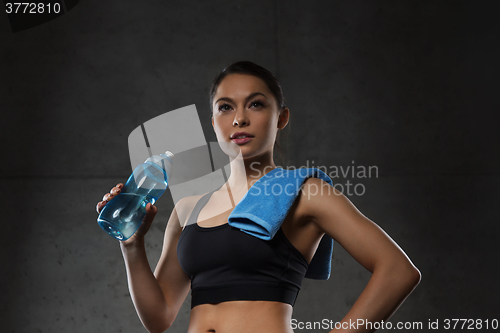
(407, 86)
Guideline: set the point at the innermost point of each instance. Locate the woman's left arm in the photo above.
(393, 274)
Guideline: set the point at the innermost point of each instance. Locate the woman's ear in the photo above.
(283, 118)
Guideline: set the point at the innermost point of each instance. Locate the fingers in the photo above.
(108, 196)
(114, 191)
(151, 211)
(100, 205)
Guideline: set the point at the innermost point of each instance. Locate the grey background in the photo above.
(408, 86)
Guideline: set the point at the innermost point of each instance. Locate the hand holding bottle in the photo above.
(151, 211)
(133, 202)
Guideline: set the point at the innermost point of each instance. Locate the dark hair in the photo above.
(250, 68)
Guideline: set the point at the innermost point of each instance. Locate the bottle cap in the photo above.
(169, 154)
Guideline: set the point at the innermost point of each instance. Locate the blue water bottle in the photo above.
(122, 216)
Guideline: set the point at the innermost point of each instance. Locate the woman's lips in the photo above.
(242, 140)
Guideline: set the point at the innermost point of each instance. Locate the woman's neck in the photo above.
(248, 171)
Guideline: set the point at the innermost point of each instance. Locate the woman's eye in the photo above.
(256, 104)
(224, 107)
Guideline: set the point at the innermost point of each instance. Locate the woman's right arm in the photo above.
(157, 297)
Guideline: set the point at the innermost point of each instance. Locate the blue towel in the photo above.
(264, 207)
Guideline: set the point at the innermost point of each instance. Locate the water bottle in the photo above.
(122, 216)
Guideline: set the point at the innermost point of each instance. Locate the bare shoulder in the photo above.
(334, 214)
(304, 211)
(316, 192)
(330, 210)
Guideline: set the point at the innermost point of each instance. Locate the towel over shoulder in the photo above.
(264, 207)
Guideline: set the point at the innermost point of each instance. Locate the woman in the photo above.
(247, 98)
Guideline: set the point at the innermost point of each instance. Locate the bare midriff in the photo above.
(241, 317)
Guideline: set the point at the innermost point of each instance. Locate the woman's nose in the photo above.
(240, 118)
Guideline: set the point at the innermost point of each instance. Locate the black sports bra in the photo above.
(227, 264)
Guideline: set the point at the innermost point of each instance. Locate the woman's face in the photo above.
(244, 103)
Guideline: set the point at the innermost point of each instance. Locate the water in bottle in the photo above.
(122, 216)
